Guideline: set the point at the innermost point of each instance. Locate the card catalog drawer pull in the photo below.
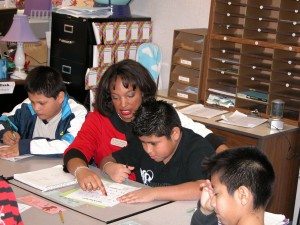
(68, 28)
(66, 69)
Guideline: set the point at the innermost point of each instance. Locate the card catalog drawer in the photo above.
(184, 92)
(187, 41)
(185, 76)
(187, 58)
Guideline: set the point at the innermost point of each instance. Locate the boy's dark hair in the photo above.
(155, 118)
(245, 166)
(132, 74)
(44, 80)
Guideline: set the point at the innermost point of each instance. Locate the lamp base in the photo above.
(18, 74)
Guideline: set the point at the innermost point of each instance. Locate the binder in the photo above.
(47, 179)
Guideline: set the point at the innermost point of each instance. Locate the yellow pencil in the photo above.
(61, 216)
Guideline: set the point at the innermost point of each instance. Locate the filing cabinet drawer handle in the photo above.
(66, 69)
(66, 41)
(67, 82)
(68, 28)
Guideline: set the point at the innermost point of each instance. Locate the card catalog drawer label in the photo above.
(182, 95)
(185, 62)
(184, 79)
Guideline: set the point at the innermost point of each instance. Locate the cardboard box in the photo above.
(121, 52)
(36, 53)
(93, 76)
(109, 33)
(122, 32)
(103, 55)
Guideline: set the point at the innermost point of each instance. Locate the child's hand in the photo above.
(9, 151)
(10, 138)
(141, 195)
(206, 198)
(118, 172)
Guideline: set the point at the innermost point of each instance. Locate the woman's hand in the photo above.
(88, 180)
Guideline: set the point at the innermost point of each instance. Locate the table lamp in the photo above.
(19, 32)
(277, 106)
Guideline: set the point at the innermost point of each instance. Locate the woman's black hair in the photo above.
(132, 74)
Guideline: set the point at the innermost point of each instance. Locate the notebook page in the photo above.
(47, 179)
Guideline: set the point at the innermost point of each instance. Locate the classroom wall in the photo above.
(168, 15)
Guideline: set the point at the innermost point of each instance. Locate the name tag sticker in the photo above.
(118, 142)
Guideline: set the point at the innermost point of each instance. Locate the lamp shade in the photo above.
(20, 30)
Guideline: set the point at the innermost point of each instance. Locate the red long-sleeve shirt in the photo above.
(9, 212)
(97, 138)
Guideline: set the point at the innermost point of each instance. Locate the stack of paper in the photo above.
(242, 120)
(47, 179)
(202, 111)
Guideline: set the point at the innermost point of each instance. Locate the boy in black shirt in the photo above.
(167, 156)
(241, 185)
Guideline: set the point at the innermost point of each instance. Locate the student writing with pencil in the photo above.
(46, 122)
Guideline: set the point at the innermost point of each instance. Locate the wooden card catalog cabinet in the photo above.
(254, 55)
(187, 62)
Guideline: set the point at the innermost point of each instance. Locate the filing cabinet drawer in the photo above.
(69, 38)
(186, 76)
(73, 73)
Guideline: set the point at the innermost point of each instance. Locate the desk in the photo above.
(276, 146)
(280, 147)
(37, 216)
(8, 168)
(179, 212)
(107, 215)
(176, 213)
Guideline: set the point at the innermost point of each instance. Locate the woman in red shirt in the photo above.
(120, 92)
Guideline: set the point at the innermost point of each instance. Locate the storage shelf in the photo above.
(255, 45)
(186, 66)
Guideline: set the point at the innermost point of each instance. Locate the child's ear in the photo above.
(175, 134)
(244, 195)
(61, 97)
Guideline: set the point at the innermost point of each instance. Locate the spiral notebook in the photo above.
(47, 179)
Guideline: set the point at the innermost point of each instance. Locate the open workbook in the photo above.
(47, 179)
